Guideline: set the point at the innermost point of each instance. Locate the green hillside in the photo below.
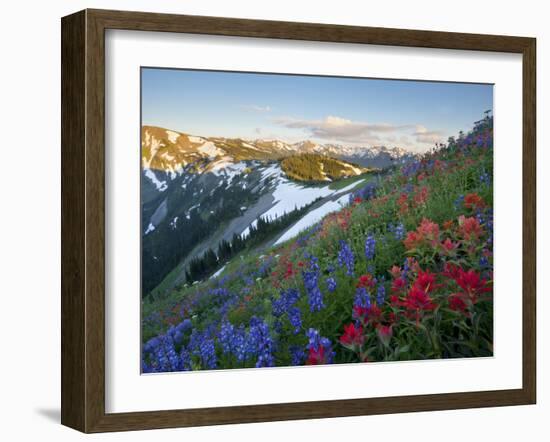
(317, 168)
(404, 272)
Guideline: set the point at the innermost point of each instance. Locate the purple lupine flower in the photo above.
(311, 284)
(331, 284)
(398, 231)
(164, 355)
(227, 331)
(380, 294)
(287, 298)
(315, 297)
(346, 257)
(207, 353)
(362, 298)
(185, 359)
(320, 349)
(297, 355)
(260, 343)
(295, 318)
(370, 247)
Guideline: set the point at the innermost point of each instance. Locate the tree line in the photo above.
(264, 229)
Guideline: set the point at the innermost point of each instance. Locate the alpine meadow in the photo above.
(293, 220)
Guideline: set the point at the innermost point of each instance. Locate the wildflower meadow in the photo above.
(402, 272)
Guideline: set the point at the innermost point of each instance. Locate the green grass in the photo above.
(340, 184)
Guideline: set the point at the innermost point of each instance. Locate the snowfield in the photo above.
(160, 185)
(313, 217)
(289, 196)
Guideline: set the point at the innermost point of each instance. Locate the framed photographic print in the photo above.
(270, 220)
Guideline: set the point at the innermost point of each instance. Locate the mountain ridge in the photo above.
(172, 151)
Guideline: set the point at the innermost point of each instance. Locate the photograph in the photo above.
(295, 220)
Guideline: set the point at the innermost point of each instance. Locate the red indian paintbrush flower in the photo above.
(448, 246)
(353, 336)
(472, 284)
(385, 333)
(469, 228)
(316, 357)
(456, 302)
(418, 299)
(425, 281)
(398, 284)
(412, 240)
(366, 280)
(473, 201)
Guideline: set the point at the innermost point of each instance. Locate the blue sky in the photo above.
(410, 114)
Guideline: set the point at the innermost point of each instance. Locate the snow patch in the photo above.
(160, 185)
(218, 273)
(313, 217)
(172, 136)
(210, 149)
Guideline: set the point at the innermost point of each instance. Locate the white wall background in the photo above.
(30, 217)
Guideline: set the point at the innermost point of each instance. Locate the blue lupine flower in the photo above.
(238, 343)
(406, 269)
(380, 294)
(315, 297)
(331, 284)
(259, 343)
(287, 299)
(297, 355)
(314, 338)
(311, 284)
(201, 345)
(185, 359)
(398, 231)
(370, 247)
(362, 298)
(316, 341)
(207, 352)
(295, 318)
(483, 262)
(164, 355)
(227, 332)
(346, 257)
(365, 193)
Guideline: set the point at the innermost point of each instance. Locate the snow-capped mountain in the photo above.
(173, 152)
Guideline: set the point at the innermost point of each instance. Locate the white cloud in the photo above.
(341, 129)
(425, 136)
(255, 108)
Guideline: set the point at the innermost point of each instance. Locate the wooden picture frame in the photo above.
(83, 219)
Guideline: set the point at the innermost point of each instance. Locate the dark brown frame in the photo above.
(83, 216)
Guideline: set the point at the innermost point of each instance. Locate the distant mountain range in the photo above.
(172, 151)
